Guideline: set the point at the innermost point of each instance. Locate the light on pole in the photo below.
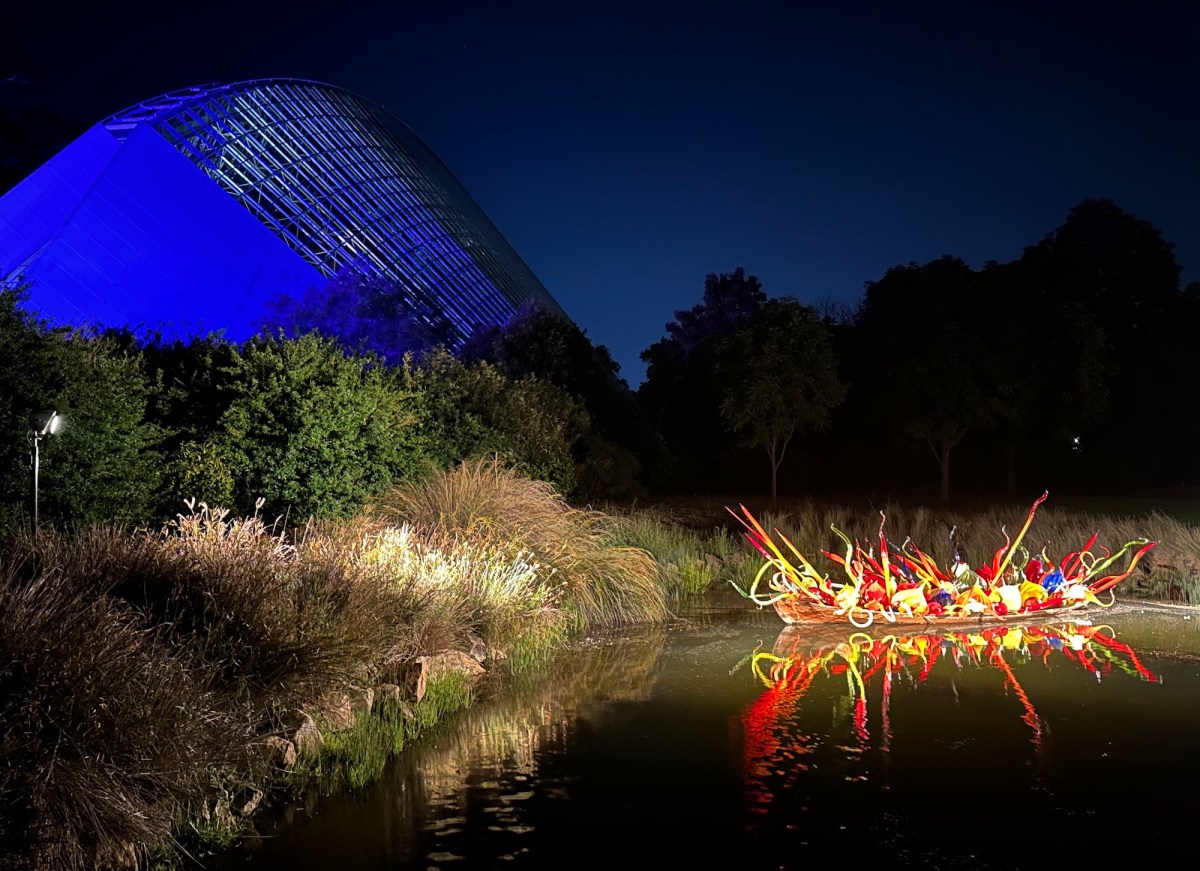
(42, 424)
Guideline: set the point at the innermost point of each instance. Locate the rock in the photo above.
(221, 813)
(335, 711)
(479, 650)
(278, 751)
(404, 673)
(245, 800)
(308, 739)
(362, 700)
(440, 663)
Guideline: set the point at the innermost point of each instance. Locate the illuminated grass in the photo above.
(597, 580)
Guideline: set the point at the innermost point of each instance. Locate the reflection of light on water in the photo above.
(511, 738)
(779, 751)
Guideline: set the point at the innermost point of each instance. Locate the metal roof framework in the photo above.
(348, 187)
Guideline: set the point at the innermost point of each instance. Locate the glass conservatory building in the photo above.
(190, 212)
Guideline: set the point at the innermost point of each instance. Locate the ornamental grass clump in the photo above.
(574, 553)
(104, 727)
(279, 622)
(447, 592)
(285, 620)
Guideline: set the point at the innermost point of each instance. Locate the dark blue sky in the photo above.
(627, 150)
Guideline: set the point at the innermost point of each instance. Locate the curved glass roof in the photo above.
(347, 186)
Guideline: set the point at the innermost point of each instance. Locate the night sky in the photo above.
(627, 150)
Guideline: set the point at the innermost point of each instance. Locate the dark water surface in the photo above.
(725, 740)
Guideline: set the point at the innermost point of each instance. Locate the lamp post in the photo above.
(42, 424)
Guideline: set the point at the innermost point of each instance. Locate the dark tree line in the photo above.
(1069, 368)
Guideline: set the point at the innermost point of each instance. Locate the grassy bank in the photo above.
(160, 687)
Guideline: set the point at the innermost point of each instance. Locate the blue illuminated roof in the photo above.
(339, 181)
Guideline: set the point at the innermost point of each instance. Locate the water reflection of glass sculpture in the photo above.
(790, 668)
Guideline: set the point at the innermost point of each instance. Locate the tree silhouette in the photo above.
(679, 394)
(926, 330)
(1046, 359)
(1118, 269)
(777, 378)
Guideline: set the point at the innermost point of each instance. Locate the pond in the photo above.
(729, 740)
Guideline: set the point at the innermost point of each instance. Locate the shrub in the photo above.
(475, 411)
(312, 431)
(105, 464)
